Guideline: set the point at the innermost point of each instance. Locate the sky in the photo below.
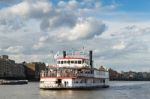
(117, 31)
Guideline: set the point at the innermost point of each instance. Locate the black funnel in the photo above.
(64, 54)
(91, 58)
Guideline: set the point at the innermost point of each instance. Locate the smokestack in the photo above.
(64, 54)
(91, 58)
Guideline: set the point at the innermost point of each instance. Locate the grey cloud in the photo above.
(10, 1)
(42, 10)
(44, 24)
(97, 28)
(63, 19)
(6, 42)
(12, 23)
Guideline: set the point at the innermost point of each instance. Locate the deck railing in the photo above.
(66, 75)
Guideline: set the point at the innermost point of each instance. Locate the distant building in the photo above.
(129, 76)
(114, 75)
(32, 70)
(4, 57)
(10, 69)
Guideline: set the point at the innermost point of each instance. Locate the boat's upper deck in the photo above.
(74, 72)
(74, 65)
(75, 60)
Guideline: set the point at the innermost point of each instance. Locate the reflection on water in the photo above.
(61, 93)
(118, 90)
(65, 94)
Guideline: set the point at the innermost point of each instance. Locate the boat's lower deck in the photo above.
(74, 88)
(73, 83)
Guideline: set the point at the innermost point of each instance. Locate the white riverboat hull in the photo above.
(73, 83)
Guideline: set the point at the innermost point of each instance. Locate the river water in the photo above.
(117, 90)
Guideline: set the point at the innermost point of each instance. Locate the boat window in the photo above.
(65, 62)
(76, 62)
(79, 62)
(68, 61)
(58, 62)
(61, 62)
(103, 81)
(72, 61)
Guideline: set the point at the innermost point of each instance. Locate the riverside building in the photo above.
(33, 69)
(10, 69)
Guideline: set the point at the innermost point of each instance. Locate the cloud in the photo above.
(13, 17)
(49, 17)
(84, 29)
(13, 49)
(63, 19)
(10, 2)
(32, 58)
(5, 42)
(119, 46)
(30, 8)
